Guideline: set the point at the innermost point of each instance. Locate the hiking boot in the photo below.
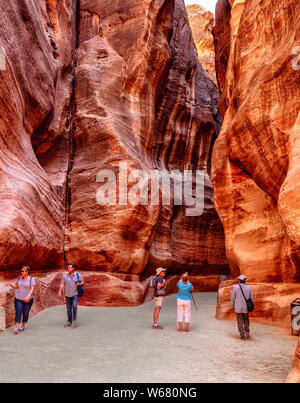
(157, 327)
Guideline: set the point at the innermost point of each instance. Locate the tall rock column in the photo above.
(256, 166)
(35, 88)
(141, 98)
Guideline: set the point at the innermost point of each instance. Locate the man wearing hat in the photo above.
(159, 291)
(240, 293)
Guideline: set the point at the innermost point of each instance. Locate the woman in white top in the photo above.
(24, 287)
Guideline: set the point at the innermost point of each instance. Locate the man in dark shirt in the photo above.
(158, 299)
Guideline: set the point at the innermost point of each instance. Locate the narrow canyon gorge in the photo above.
(92, 85)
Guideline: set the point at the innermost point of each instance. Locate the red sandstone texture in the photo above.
(256, 166)
(201, 23)
(152, 106)
(33, 140)
(89, 85)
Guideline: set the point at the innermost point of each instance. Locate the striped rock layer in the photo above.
(256, 165)
(89, 85)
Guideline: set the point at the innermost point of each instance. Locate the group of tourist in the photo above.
(24, 294)
(242, 299)
(184, 298)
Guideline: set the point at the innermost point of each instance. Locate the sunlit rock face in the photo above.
(256, 166)
(89, 85)
(221, 34)
(142, 98)
(201, 23)
(35, 89)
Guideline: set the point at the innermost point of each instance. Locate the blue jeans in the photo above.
(71, 303)
(22, 310)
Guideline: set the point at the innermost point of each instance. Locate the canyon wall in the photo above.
(255, 163)
(256, 168)
(201, 23)
(89, 85)
(34, 96)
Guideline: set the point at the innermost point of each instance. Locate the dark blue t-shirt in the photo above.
(158, 279)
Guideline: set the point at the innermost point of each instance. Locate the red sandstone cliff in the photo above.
(89, 85)
(255, 164)
(201, 23)
(35, 92)
(256, 167)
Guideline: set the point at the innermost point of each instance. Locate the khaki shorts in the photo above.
(158, 301)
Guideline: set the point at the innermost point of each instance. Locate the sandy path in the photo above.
(118, 345)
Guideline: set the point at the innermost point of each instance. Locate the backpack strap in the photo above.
(243, 293)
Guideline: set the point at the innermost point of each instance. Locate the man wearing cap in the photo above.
(159, 286)
(240, 293)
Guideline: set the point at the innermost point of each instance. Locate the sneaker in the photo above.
(157, 327)
(16, 330)
(68, 324)
(22, 329)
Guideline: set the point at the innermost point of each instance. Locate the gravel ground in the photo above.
(119, 345)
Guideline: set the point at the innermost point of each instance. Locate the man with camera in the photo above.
(159, 293)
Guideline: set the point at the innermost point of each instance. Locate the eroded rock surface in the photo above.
(89, 85)
(255, 160)
(256, 166)
(35, 92)
(142, 98)
(201, 23)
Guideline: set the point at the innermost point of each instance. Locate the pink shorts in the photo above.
(184, 310)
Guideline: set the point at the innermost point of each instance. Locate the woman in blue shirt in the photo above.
(184, 298)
